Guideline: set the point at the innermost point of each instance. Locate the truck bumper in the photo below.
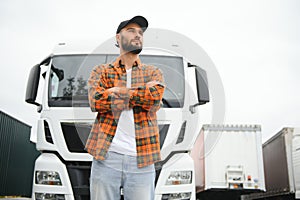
(48, 162)
(168, 189)
(51, 179)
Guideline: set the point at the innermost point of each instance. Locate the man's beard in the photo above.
(127, 46)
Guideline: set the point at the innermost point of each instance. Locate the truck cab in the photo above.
(62, 170)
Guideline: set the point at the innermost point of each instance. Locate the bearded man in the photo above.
(124, 140)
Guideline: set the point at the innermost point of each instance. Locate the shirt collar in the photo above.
(118, 63)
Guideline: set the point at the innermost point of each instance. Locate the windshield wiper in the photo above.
(68, 98)
(61, 98)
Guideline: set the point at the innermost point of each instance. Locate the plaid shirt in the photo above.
(145, 100)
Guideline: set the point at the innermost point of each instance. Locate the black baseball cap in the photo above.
(140, 20)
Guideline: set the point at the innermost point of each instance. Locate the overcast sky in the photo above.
(254, 44)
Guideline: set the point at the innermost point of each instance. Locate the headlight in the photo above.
(47, 178)
(177, 196)
(179, 177)
(47, 196)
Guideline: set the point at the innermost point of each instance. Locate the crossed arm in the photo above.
(102, 99)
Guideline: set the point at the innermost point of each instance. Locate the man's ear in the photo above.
(118, 38)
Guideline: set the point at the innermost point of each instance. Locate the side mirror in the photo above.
(202, 86)
(33, 84)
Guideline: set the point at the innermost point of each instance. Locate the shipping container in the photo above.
(17, 156)
(228, 160)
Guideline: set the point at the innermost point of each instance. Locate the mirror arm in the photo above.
(192, 108)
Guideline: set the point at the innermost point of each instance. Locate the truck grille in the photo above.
(79, 172)
(76, 135)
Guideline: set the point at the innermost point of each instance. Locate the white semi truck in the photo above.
(62, 170)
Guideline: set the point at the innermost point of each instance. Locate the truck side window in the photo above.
(54, 84)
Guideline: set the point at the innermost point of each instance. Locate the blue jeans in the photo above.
(116, 171)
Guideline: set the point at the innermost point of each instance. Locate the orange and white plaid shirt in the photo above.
(144, 99)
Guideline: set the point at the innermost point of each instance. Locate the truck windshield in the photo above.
(70, 73)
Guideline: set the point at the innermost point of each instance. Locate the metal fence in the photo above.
(17, 157)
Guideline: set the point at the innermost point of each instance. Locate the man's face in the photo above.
(131, 38)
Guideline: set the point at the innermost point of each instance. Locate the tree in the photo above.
(68, 91)
(81, 87)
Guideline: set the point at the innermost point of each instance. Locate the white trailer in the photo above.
(281, 155)
(228, 160)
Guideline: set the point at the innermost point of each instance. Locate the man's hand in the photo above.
(115, 91)
(152, 83)
(118, 91)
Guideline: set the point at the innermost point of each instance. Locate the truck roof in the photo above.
(83, 47)
(154, 44)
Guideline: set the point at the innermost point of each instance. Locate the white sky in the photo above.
(255, 45)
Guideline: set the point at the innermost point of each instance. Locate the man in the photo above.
(124, 140)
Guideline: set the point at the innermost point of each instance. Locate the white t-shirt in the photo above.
(124, 140)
